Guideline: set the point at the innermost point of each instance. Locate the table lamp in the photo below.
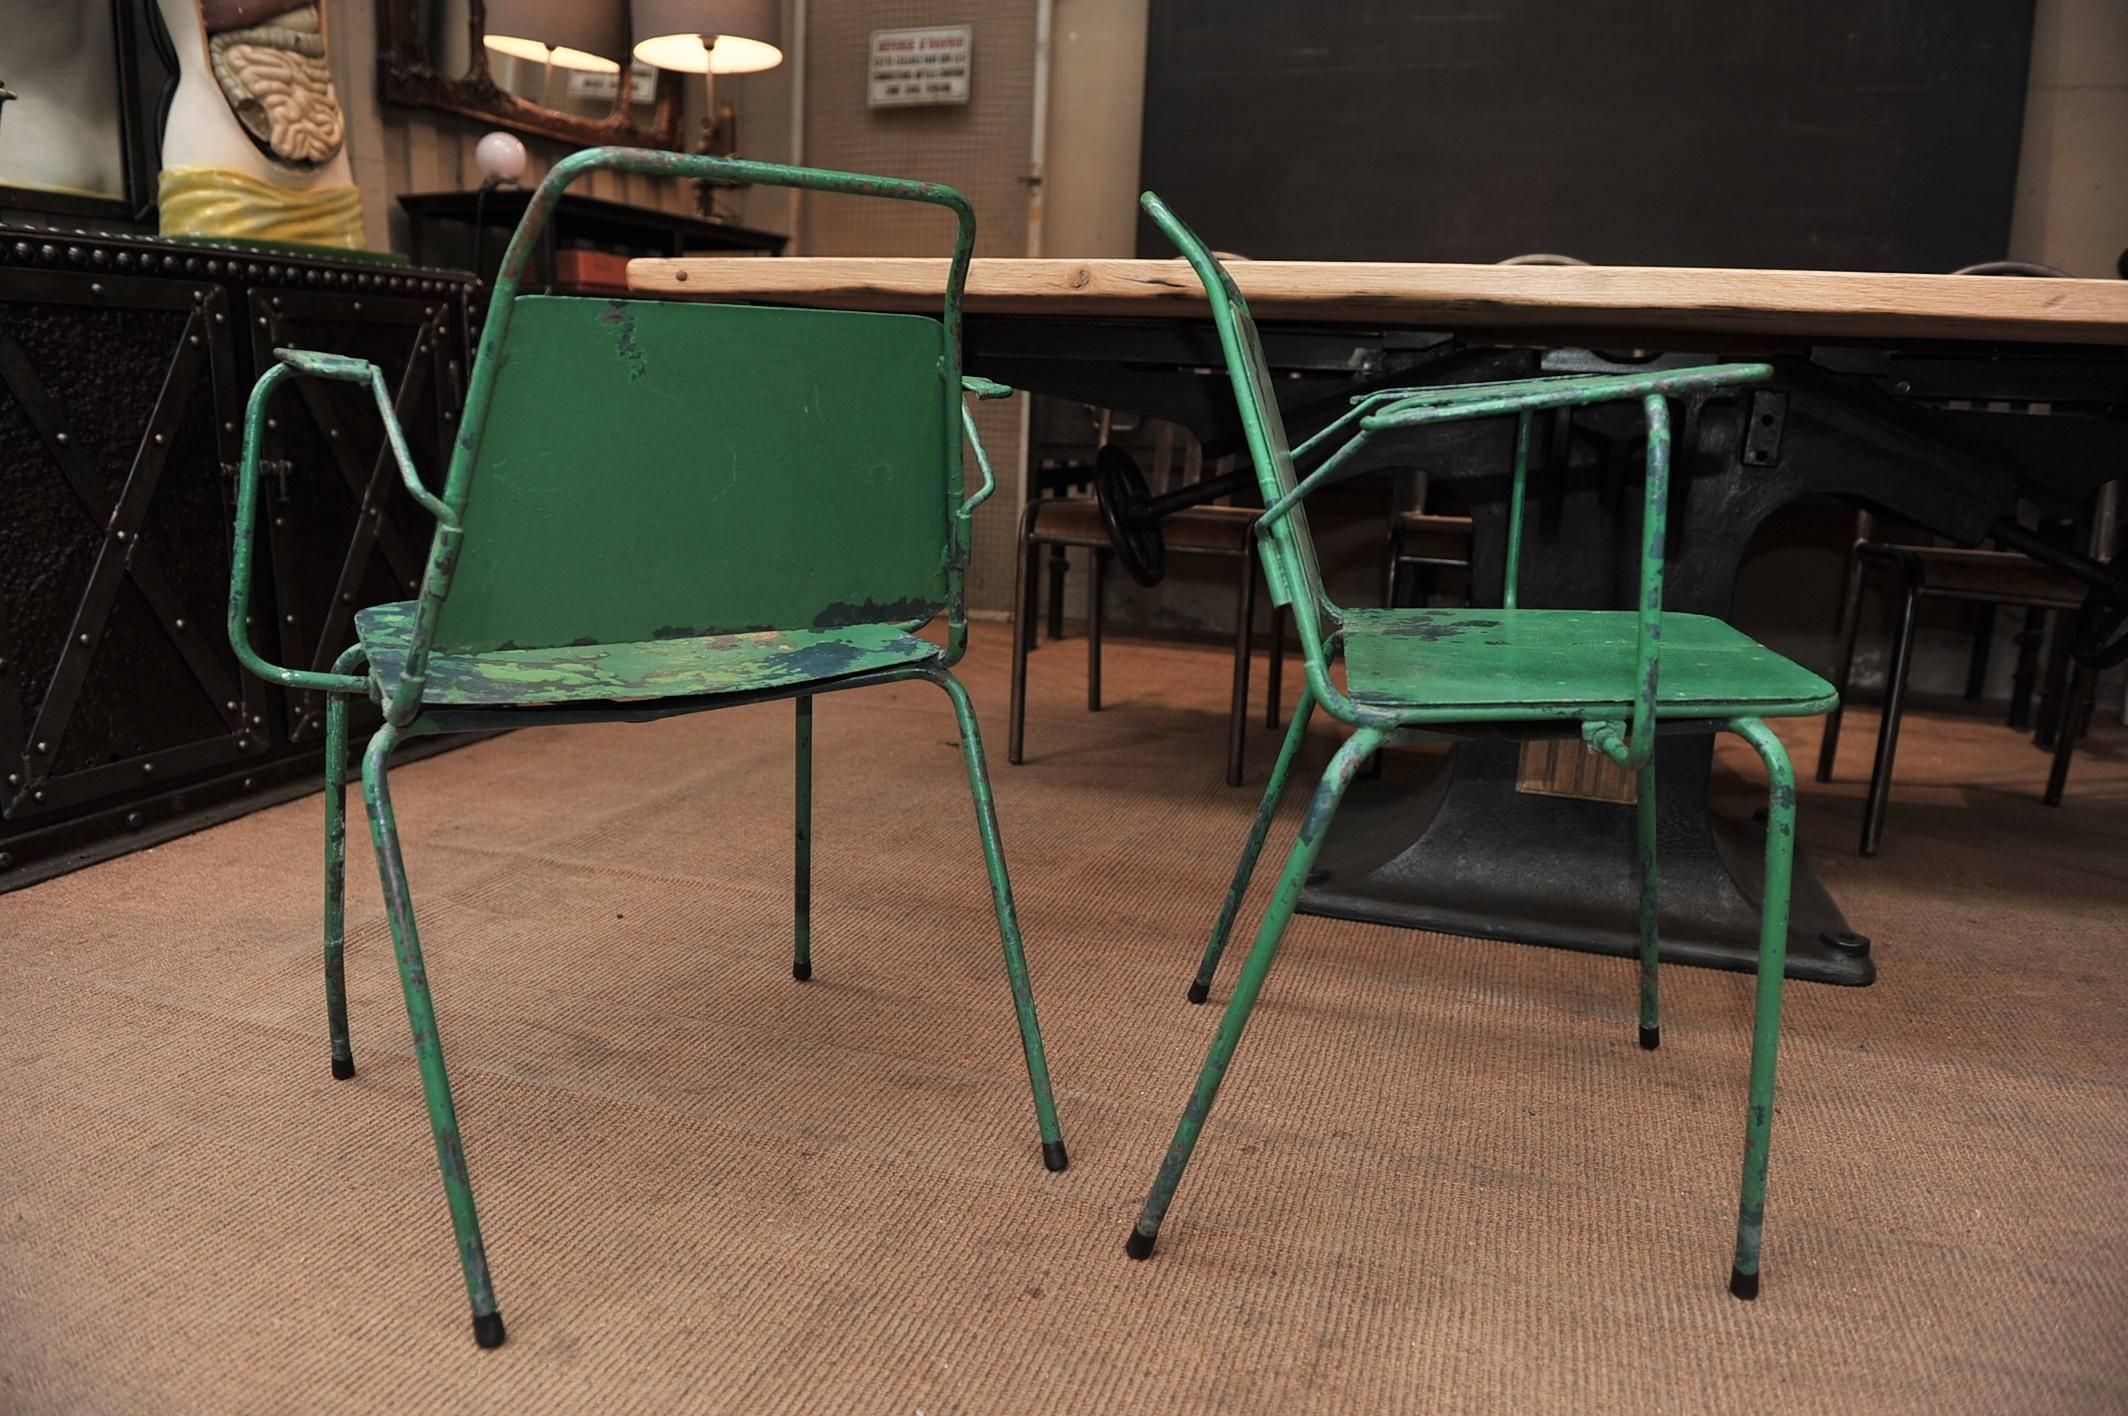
(591, 35)
(708, 37)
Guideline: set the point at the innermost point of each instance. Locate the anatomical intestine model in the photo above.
(256, 144)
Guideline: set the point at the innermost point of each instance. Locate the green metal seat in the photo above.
(1607, 676)
(695, 666)
(655, 509)
(1568, 663)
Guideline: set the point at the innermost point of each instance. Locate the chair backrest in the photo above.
(631, 470)
(653, 470)
(1288, 549)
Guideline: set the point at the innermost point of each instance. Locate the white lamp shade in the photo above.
(570, 34)
(670, 34)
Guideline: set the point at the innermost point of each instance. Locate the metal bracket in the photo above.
(1762, 438)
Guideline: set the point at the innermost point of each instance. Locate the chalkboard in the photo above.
(1805, 134)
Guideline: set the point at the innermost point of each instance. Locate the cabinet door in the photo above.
(118, 426)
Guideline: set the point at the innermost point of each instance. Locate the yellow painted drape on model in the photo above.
(218, 201)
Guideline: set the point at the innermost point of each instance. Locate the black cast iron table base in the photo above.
(1469, 854)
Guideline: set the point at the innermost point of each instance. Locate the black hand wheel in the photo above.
(1134, 534)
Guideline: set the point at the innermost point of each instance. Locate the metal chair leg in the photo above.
(1396, 563)
(1976, 668)
(1274, 690)
(1024, 614)
(1299, 861)
(802, 849)
(421, 1016)
(2029, 637)
(1880, 777)
(1238, 710)
(343, 1055)
(1059, 567)
(2077, 706)
(1850, 631)
(1650, 939)
(1766, 1004)
(1201, 987)
(1095, 578)
(2054, 687)
(1045, 1107)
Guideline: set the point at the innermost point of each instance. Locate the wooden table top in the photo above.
(1552, 300)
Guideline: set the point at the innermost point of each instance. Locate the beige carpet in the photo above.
(1443, 1177)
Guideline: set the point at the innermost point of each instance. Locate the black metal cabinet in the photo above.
(124, 366)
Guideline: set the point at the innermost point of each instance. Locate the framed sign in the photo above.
(912, 68)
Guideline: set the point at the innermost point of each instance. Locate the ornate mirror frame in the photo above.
(406, 76)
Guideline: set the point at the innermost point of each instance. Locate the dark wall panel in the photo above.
(1814, 134)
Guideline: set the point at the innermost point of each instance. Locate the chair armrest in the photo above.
(292, 363)
(352, 370)
(982, 389)
(1459, 401)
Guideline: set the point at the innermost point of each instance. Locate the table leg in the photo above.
(1469, 854)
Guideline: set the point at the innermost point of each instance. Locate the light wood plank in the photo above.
(1622, 300)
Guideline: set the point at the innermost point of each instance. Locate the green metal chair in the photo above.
(653, 509)
(1613, 677)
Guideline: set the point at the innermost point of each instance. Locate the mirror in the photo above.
(433, 57)
(576, 92)
(84, 85)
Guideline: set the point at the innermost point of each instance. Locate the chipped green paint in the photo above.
(750, 467)
(1611, 675)
(681, 507)
(691, 667)
(1517, 492)
(421, 1019)
(1355, 750)
(1644, 827)
(343, 1054)
(1045, 1106)
(802, 848)
(1479, 665)
(1766, 999)
(1259, 831)
(622, 319)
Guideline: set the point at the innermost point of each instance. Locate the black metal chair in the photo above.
(1422, 544)
(1986, 579)
(1981, 577)
(1065, 523)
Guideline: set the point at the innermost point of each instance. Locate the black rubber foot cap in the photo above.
(487, 1329)
(343, 1068)
(1743, 1285)
(1139, 1246)
(802, 972)
(1053, 1157)
(1651, 1038)
(1199, 992)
